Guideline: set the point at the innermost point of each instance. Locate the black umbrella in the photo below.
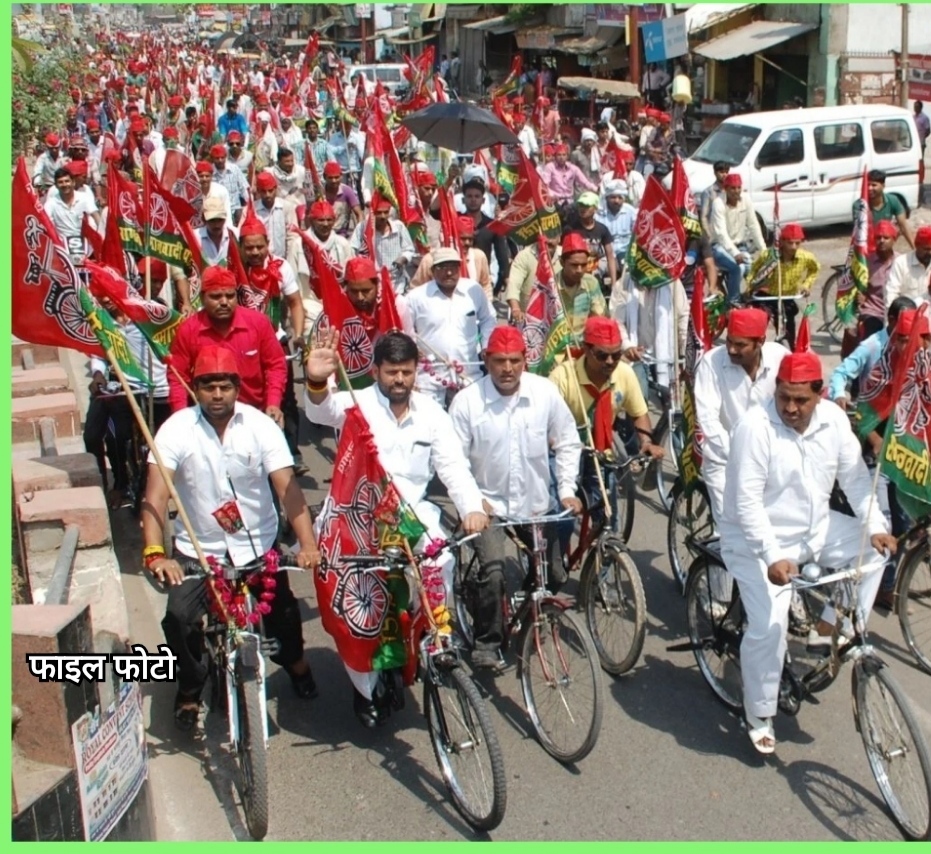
(458, 126)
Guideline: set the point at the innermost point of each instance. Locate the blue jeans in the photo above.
(735, 272)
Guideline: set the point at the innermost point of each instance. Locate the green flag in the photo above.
(111, 338)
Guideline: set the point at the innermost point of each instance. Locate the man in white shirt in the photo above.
(214, 236)
(210, 189)
(452, 319)
(279, 218)
(414, 439)
(394, 248)
(66, 211)
(736, 237)
(911, 272)
(784, 459)
(221, 456)
(337, 247)
(289, 176)
(507, 424)
(47, 164)
(729, 380)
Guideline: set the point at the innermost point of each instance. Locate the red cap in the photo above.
(252, 225)
(379, 202)
(77, 167)
(215, 359)
(466, 225)
(175, 101)
(77, 142)
(886, 228)
(170, 133)
(747, 322)
(321, 210)
(906, 322)
(732, 179)
(562, 148)
(793, 231)
(574, 243)
(217, 279)
(159, 268)
(360, 269)
(506, 339)
(234, 136)
(549, 149)
(332, 169)
(204, 167)
(602, 332)
(265, 181)
(137, 125)
(800, 368)
(92, 124)
(218, 150)
(422, 178)
(664, 118)
(923, 237)
(52, 140)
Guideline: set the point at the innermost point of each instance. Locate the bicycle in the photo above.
(460, 725)
(689, 523)
(557, 657)
(832, 324)
(882, 715)
(912, 595)
(236, 671)
(668, 432)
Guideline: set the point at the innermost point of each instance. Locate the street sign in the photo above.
(363, 10)
(665, 39)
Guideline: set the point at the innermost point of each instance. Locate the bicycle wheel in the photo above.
(612, 599)
(561, 682)
(716, 624)
(895, 747)
(914, 603)
(466, 747)
(668, 472)
(466, 567)
(832, 323)
(689, 521)
(622, 523)
(251, 753)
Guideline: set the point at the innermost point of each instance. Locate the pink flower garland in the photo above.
(454, 366)
(229, 602)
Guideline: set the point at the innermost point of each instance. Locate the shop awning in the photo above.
(399, 40)
(397, 32)
(704, 15)
(752, 38)
(545, 37)
(610, 88)
(496, 26)
(604, 38)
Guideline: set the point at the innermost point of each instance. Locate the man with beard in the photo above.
(279, 219)
(393, 246)
(507, 423)
(342, 197)
(729, 380)
(495, 246)
(289, 177)
(414, 438)
(911, 272)
(322, 219)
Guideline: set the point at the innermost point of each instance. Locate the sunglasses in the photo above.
(601, 356)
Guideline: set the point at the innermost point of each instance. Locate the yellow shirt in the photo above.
(627, 396)
(799, 274)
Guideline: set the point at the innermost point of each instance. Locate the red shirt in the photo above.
(262, 368)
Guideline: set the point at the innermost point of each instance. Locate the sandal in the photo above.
(762, 735)
(187, 711)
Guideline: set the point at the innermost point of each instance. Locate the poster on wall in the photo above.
(112, 761)
(919, 78)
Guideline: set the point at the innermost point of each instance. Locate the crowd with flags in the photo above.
(198, 199)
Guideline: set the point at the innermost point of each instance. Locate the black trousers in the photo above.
(790, 308)
(290, 410)
(487, 589)
(184, 630)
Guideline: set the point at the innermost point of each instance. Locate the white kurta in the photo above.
(778, 485)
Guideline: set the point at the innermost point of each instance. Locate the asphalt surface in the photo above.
(670, 763)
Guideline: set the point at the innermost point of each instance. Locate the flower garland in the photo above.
(428, 364)
(228, 603)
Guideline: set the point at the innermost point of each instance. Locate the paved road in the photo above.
(670, 763)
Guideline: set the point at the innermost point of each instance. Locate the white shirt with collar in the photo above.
(276, 220)
(779, 483)
(457, 327)
(411, 450)
(211, 253)
(508, 441)
(209, 473)
(908, 278)
(724, 392)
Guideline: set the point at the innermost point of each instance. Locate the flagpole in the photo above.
(150, 442)
(780, 309)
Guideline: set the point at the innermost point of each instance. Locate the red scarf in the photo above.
(264, 284)
(603, 420)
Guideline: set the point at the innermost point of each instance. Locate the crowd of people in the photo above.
(281, 166)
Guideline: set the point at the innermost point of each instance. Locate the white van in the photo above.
(816, 157)
(391, 76)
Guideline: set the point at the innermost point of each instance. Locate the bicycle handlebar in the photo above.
(374, 562)
(533, 520)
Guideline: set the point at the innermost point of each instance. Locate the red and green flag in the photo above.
(698, 342)
(657, 251)
(546, 328)
(363, 513)
(112, 339)
(856, 276)
(530, 212)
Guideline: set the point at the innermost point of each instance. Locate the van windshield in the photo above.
(728, 142)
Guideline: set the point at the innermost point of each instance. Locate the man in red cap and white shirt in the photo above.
(222, 455)
(393, 246)
(730, 379)
(210, 189)
(736, 236)
(451, 319)
(47, 163)
(229, 176)
(911, 271)
(322, 220)
(247, 333)
(508, 422)
(279, 218)
(414, 439)
(342, 197)
(783, 462)
(476, 260)
(236, 153)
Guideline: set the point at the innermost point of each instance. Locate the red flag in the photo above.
(803, 338)
(310, 167)
(388, 318)
(539, 111)
(234, 259)
(44, 283)
(481, 159)
(315, 255)
(530, 210)
(310, 54)
(92, 236)
(683, 199)
(450, 228)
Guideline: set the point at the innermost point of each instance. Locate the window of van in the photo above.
(727, 142)
(388, 75)
(832, 142)
(891, 135)
(783, 147)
